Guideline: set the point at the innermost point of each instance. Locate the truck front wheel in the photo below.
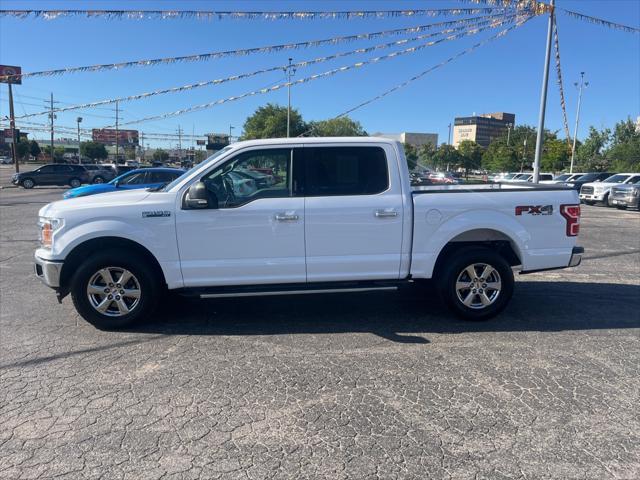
(476, 283)
(113, 289)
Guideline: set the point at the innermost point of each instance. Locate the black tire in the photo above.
(28, 183)
(455, 266)
(143, 274)
(75, 183)
(98, 179)
(607, 201)
(588, 202)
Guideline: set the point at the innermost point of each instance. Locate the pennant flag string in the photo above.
(251, 51)
(533, 7)
(237, 15)
(563, 104)
(600, 21)
(310, 78)
(500, 34)
(302, 64)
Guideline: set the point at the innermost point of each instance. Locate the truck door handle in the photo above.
(387, 212)
(286, 217)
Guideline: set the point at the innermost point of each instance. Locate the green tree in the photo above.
(270, 121)
(93, 150)
(556, 155)
(34, 149)
(500, 158)
(58, 153)
(130, 153)
(590, 156)
(624, 151)
(471, 155)
(22, 149)
(446, 157)
(160, 155)
(336, 127)
(411, 155)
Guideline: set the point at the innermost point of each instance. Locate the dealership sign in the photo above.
(9, 71)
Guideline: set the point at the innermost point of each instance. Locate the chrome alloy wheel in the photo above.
(478, 286)
(114, 291)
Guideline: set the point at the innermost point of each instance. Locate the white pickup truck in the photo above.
(289, 216)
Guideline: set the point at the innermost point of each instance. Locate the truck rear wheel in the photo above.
(113, 289)
(476, 283)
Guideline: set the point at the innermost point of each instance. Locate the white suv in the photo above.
(600, 192)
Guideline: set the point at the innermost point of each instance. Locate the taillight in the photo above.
(571, 214)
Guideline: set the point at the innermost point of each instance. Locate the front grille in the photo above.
(619, 192)
(587, 190)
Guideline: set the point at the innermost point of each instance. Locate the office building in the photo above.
(482, 129)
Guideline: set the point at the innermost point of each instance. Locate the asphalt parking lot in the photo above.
(385, 385)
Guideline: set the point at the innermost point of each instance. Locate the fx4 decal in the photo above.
(156, 213)
(534, 209)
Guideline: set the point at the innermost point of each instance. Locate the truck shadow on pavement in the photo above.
(405, 316)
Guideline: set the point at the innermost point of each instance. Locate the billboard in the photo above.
(217, 141)
(6, 70)
(107, 136)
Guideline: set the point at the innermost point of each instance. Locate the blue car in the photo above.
(140, 178)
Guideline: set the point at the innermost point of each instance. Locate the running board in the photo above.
(293, 292)
(292, 288)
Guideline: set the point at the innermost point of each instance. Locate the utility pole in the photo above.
(52, 117)
(290, 72)
(524, 155)
(12, 125)
(543, 95)
(509, 125)
(79, 119)
(231, 127)
(449, 137)
(180, 143)
(117, 139)
(142, 145)
(583, 84)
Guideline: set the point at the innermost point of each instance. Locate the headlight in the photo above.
(47, 227)
(635, 192)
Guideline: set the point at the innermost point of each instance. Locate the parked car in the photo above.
(142, 178)
(626, 196)
(53, 174)
(442, 178)
(577, 183)
(600, 192)
(99, 173)
(565, 177)
(261, 180)
(119, 168)
(5, 160)
(528, 177)
(344, 218)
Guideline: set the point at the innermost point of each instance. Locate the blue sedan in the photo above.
(141, 178)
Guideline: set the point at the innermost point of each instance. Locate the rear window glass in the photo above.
(345, 171)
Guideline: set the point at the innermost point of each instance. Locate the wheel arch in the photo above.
(83, 250)
(494, 240)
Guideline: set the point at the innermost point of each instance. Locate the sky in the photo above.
(504, 75)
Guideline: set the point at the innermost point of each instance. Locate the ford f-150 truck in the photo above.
(340, 216)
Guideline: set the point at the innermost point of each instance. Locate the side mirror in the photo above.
(199, 197)
(116, 183)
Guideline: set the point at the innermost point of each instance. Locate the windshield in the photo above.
(616, 179)
(564, 177)
(169, 186)
(509, 176)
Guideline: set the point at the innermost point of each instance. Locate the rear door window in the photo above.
(331, 171)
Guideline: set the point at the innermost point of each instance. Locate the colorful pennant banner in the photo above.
(600, 21)
(322, 75)
(500, 34)
(257, 50)
(236, 15)
(475, 28)
(563, 104)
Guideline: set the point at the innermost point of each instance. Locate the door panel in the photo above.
(255, 236)
(354, 236)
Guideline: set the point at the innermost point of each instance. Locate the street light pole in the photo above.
(583, 84)
(79, 119)
(449, 138)
(231, 127)
(12, 125)
(290, 72)
(543, 95)
(52, 117)
(509, 125)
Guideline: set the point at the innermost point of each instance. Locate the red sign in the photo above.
(7, 73)
(108, 136)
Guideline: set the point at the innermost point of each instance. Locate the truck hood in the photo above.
(602, 184)
(119, 198)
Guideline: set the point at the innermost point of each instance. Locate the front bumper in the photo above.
(576, 256)
(48, 271)
(592, 198)
(628, 201)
